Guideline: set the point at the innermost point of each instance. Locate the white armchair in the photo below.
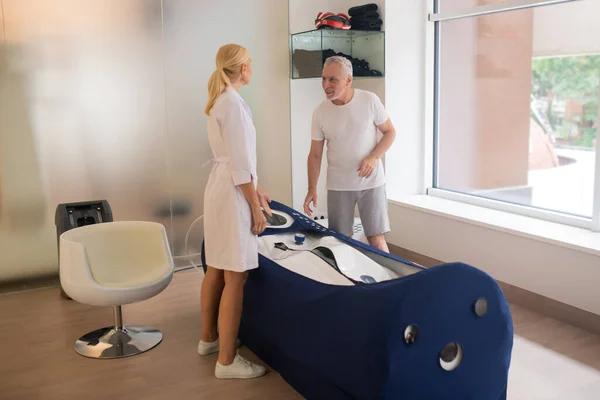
(113, 264)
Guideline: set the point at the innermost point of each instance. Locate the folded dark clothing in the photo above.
(310, 63)
(366, 28)
(365, 17)
(366, 25)
(365, 8)
(359, 67)
(367, 22)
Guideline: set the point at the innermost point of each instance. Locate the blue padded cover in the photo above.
(347, 342)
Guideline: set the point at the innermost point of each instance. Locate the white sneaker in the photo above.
(206, 348)
(239, 369)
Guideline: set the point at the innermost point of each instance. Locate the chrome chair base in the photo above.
(111, 342)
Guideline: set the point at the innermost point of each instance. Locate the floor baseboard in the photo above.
(522, 297)
(28, 284)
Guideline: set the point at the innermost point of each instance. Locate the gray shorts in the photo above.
(372, 208)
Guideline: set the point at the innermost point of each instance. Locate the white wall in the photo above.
(405, 95)
(570, 28)
(306, 94)
(559, 273)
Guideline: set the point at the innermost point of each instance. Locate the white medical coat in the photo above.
(229, 242)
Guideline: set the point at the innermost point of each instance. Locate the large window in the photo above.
(516, 106)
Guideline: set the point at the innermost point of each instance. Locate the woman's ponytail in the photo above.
(217, 84)
(230, 58)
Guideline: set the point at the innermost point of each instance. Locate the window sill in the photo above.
(570, 237)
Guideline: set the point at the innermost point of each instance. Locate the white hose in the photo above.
(189, 256)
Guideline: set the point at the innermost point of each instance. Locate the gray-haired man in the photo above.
(348, 120)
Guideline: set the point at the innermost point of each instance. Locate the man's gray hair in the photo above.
(346, 64)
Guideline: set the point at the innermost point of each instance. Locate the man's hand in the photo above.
(367, 166)
(264, 200)
(310, 197)
(314, 168)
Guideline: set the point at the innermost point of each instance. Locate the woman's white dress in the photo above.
(229, 242)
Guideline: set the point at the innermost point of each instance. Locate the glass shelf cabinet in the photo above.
(365, 49)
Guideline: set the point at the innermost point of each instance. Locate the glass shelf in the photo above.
(366, 50)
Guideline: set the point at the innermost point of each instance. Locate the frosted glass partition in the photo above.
(86, 117)
(104, 99)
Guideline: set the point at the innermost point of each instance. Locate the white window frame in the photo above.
(431, 104)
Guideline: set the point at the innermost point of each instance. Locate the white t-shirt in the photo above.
(351, 134)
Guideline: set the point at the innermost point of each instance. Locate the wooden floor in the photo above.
(551, 360)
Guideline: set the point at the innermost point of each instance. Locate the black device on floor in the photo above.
(73, 215)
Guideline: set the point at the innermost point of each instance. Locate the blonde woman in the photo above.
(232, 213)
